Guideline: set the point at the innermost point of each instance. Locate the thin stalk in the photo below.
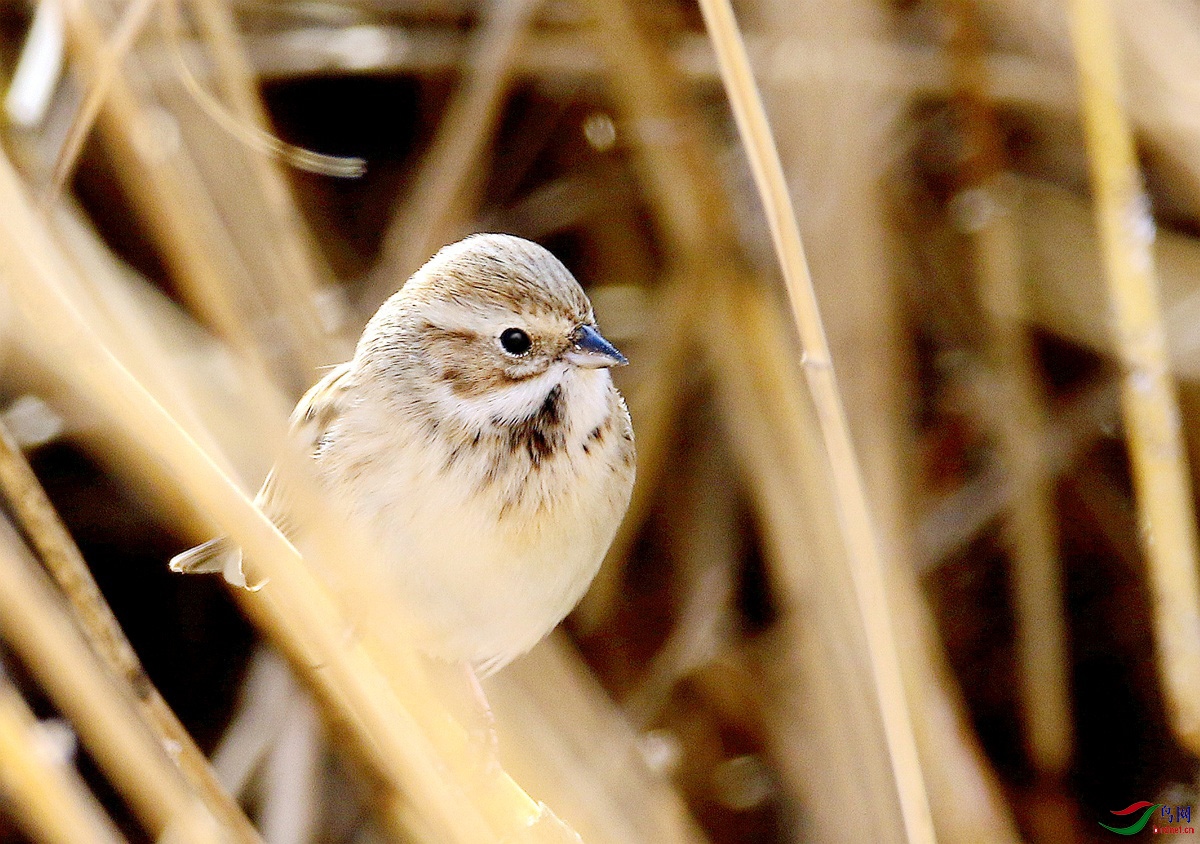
(62, 558)
(858, 534)
(133, 20)
(46, 797)
(1153, 439)
(1020, 426)
(36, 625)
(426, 219)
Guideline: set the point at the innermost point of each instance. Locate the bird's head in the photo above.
(488, 329)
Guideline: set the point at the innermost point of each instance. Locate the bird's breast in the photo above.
(491, 538)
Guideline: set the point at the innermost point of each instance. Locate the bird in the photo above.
(478, 435)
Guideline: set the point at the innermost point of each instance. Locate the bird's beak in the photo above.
(591, 351)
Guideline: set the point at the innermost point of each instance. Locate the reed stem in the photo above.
(1153, 429)
(863, 554)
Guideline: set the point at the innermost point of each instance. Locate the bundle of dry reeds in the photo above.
(911, 555)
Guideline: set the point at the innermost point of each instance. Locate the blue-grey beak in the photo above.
(590, 350)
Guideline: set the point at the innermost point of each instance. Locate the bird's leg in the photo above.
(464, 697)
(481, 723)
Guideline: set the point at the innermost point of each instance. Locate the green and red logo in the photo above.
(1170, 821)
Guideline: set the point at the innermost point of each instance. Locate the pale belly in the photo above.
(477, 588)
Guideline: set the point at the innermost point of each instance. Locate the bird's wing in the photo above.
(311, 421)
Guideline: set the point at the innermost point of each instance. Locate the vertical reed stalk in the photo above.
(1020, 430)
(1152, 423)
(854, 518)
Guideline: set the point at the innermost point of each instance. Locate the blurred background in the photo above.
(720, 683)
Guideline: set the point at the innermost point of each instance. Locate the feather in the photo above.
(217, 556)
(311, 420)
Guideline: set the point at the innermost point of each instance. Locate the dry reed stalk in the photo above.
(670, 162)
(675, 166)
(854, 520)
(133, 20)
(62, 558)
(828, 740)
(561, 735)
(440, 773)
(1030, 525)
(36, 624)
(1154, 440)
(1161, 44)
(46, 796)
(433, 211)
(767, 414)
(296, 278)
(1068, 293)
(104, 288)
(854, 253)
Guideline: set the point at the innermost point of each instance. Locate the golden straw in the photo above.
(866, 566)
(46, 797)
(36, 625)
(1152, 423)
(62, 558)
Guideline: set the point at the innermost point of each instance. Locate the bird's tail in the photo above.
(217, 556)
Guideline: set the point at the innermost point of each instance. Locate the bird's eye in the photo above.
(515, 341)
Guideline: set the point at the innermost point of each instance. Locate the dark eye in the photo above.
(515, 341)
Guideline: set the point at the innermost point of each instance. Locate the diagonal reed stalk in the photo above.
(1153, 437)
(853, 514)
(58, 552)
(47, 798)
(35, 622)
(133, 20)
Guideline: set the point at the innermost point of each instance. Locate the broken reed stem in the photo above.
(45, 796)
(1152, 423)
(66, 565)
(862, 546)
(1020, 426)
(426, 218)
(40, 631)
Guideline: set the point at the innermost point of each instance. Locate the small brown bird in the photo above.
(478, 433)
